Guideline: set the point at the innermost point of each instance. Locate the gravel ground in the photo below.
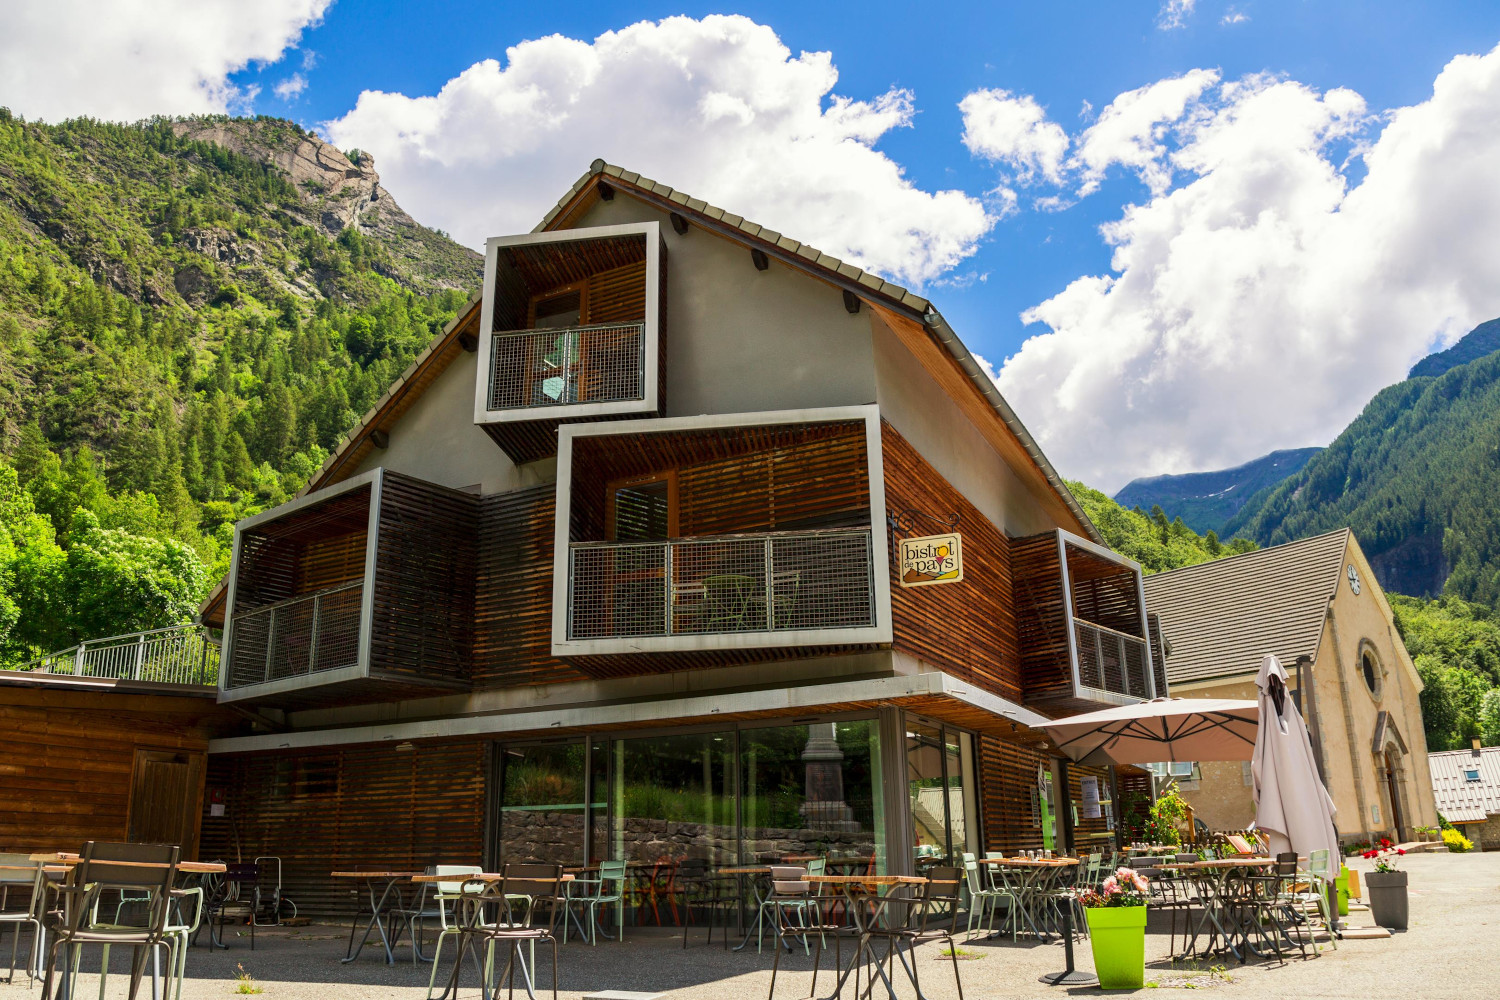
(1454, 907)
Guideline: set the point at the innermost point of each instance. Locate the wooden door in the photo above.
(166, 792)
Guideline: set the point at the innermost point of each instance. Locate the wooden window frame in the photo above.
(668, 476)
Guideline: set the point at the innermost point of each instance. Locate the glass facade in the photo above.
(738, 796)
(942, 790)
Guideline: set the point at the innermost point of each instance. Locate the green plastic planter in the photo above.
(1342, 882)
(1118, 936)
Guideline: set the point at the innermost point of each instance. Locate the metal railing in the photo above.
(301, 635)
(776, 582)
(1109, 660)
(577, 364)
(178, 654)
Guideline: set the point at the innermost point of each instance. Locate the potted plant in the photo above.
(1387, 887)
(1116, 916)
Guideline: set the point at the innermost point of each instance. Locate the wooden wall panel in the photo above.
(1042, 618)
(1011, 811)
(967, 628)
(67, 760)
(513, 592)
(423, 603)
(349, 808)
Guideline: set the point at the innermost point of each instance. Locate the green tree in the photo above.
(118, 582)
(1489, 717)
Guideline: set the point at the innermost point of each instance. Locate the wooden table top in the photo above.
(49, 869)
(868, 879)
(484, 877)
(390, 874)
(191, 867)
(1030, 862)
(1180, 866)
(749, 870)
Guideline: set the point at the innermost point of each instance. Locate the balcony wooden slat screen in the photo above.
(1042, 619)
(423, 603)
(311, 549)
(348, 808)
(968, 627)
(1009, 798)
(513, 592)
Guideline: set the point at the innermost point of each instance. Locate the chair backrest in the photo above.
(971, 875)
(21, 882)
(610, 871)
(1185, 858)
(1286, 863)
(966, 857)
(789, 880)
(943, 884)
(456, 886)
(523, 885)
(1317, 863)
(149, 869)
(817, 866)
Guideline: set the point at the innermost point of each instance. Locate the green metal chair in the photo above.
(447, 898)
(608, 890)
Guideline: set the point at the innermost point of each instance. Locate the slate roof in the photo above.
(1223, 617)
(1461, 800)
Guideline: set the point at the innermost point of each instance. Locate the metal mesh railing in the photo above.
(300, 636)
(579, 364)
(1110, 660)
(179, 654)
(778, 582)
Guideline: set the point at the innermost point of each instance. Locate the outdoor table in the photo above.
(867, 890)
(1211, 879)
(379, 885)
(1038, 874)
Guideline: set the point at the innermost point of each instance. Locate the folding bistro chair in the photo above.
(447, 898)
(513, 926)
(608, 890)
(145, 869)
(22, 887)
(797, 895)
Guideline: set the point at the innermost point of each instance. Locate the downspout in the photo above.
(1359, 784)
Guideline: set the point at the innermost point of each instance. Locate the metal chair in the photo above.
(534, 882)
(982, 899)
(607, 890)
(798, 895)
(447, 898)
(22, 887)
(701, 889)
(926, 920)
(146, 869)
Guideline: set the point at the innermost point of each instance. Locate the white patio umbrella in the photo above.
(1157, 730)
(1292, 808)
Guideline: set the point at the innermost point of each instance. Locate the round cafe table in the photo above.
(379, 886)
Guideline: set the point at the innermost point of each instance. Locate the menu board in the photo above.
(1091, 808)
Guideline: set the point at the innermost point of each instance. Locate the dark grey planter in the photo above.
(1388, 904)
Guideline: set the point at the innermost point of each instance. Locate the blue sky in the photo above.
(1063, 53)
(1184, 233)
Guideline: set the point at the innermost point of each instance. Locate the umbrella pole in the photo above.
(1069, 976)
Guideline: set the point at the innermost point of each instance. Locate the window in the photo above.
(642, 509)
(1471, 773)
(1370, 668)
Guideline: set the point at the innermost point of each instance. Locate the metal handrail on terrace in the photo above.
(766, 582)
(599, 363)
(299, 635)
(177, 654)
(1111, 660)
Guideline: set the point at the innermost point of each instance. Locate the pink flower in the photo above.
(1111, 886)
(1139, 881)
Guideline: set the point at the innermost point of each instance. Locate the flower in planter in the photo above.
(1126, 887)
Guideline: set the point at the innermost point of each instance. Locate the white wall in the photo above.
(437, 440)
(741, 340)
(911, 400)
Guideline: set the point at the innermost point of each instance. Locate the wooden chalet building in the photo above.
(684, 540)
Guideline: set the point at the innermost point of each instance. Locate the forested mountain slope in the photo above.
(1208, 501)
(1417, 476)
(191, 314)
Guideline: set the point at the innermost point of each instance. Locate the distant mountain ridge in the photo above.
(1483, 339)
(1208, 501)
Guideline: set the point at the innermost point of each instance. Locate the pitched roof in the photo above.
(1223, 617)
(1459, 799)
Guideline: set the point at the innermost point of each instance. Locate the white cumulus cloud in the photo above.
(1174, 14)
(717, 107)
(1131, 130)
(129, 59)
(1262, 300)
(291, 88)
(1013, 130)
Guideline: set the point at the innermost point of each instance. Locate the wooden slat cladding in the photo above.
(741, 479)
(67, 759)
(541, 267)
(423, 600)
(312, 549)
(1042, 618)
(1009, 803)
(967, 628)
(1158, 657)
(349, 808)
(1104, 592)
(618, 295)
(513, 592)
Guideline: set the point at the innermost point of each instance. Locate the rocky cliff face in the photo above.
(340, 192)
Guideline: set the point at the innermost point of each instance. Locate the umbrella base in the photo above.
(1070, 977)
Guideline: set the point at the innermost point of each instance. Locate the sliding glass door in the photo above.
(942, 791)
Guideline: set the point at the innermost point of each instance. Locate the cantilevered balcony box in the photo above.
(572, 327)
(361, 591)
(1085, 637)
(689, 541)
